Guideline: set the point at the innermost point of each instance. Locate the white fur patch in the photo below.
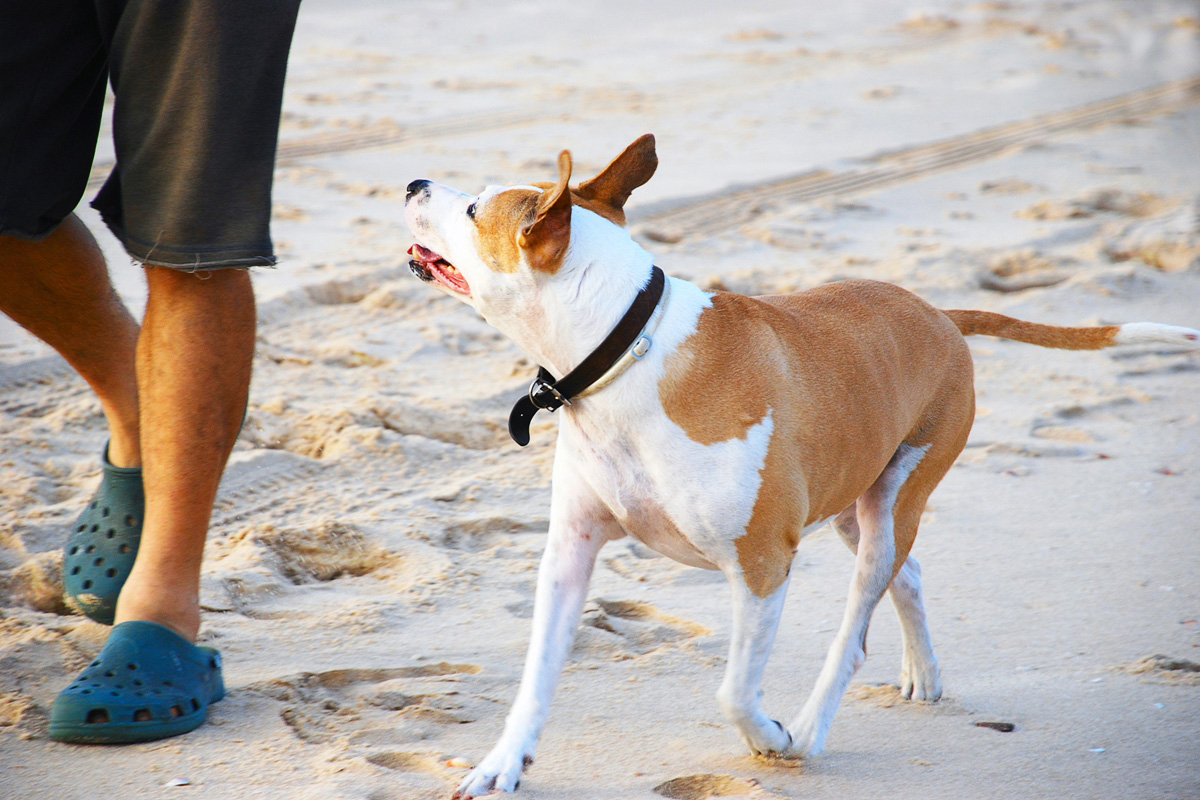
(1144, 332)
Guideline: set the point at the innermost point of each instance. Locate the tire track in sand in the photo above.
(730, 209)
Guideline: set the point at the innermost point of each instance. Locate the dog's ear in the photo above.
(612, 187)
(545, 239)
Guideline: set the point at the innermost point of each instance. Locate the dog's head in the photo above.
(493, 249)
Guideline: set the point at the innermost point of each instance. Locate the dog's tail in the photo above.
(985, 323)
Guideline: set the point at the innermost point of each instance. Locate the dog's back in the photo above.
(851, 361)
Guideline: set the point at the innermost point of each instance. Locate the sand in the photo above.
(370, 569)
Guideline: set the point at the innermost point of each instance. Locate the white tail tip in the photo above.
(1144, 332)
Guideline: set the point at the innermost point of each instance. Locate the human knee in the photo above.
(228, 288)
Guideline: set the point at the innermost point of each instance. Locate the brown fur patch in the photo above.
(849, 371)
(972, 323)
(545, 240)
(496, 225)
(615, 216)
(607, 193)
(714, 356)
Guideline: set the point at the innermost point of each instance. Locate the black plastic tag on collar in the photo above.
(519, 419)
(547, 397)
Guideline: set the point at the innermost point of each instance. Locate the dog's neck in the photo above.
(574, 310)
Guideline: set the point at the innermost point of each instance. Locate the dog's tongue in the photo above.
(424, 254)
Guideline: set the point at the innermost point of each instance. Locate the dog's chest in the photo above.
(686, 501)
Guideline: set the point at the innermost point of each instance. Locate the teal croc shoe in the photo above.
(104, 542)
(147, 683)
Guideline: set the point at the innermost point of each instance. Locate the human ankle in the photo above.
(123, 451)
(181, 617)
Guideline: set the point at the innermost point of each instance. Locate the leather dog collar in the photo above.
(548, 394)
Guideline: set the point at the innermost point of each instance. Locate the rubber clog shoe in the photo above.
(104, 542)
(147, 683)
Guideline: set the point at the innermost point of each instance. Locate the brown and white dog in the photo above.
(749, 422)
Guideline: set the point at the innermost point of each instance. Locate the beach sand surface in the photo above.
(370, 569)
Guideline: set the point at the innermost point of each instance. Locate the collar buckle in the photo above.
(539, 388)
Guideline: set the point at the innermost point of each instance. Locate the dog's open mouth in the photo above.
(429, 266)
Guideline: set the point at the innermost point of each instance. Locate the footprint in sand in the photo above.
(1115, 201)
(343, 291)
(373, 707)
(887, 695)
(37, 584)
(253, 571)
(1025, 269)
(1165, 669)
(622, 629)
(411, 775)
(480, 533)
(323, 553)
(702, 787)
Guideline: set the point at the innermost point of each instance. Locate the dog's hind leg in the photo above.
(755, 620)
(874, 566)
(920, 678)
(886, 519)
(579, 527)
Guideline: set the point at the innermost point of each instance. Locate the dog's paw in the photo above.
(920, 682)
(500, 771)
(771, 740)
(808, 736)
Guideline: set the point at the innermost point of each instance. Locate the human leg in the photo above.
(58, 289)
(198, 90)
(193, 366)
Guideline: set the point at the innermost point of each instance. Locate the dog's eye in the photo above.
(471, 211)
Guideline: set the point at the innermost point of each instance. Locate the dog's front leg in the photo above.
(755, 620)
(579, 526)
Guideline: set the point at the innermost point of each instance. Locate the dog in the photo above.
(715, 428)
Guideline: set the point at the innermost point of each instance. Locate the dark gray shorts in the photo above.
(197, 86)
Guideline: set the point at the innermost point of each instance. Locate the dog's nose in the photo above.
(415, 187)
